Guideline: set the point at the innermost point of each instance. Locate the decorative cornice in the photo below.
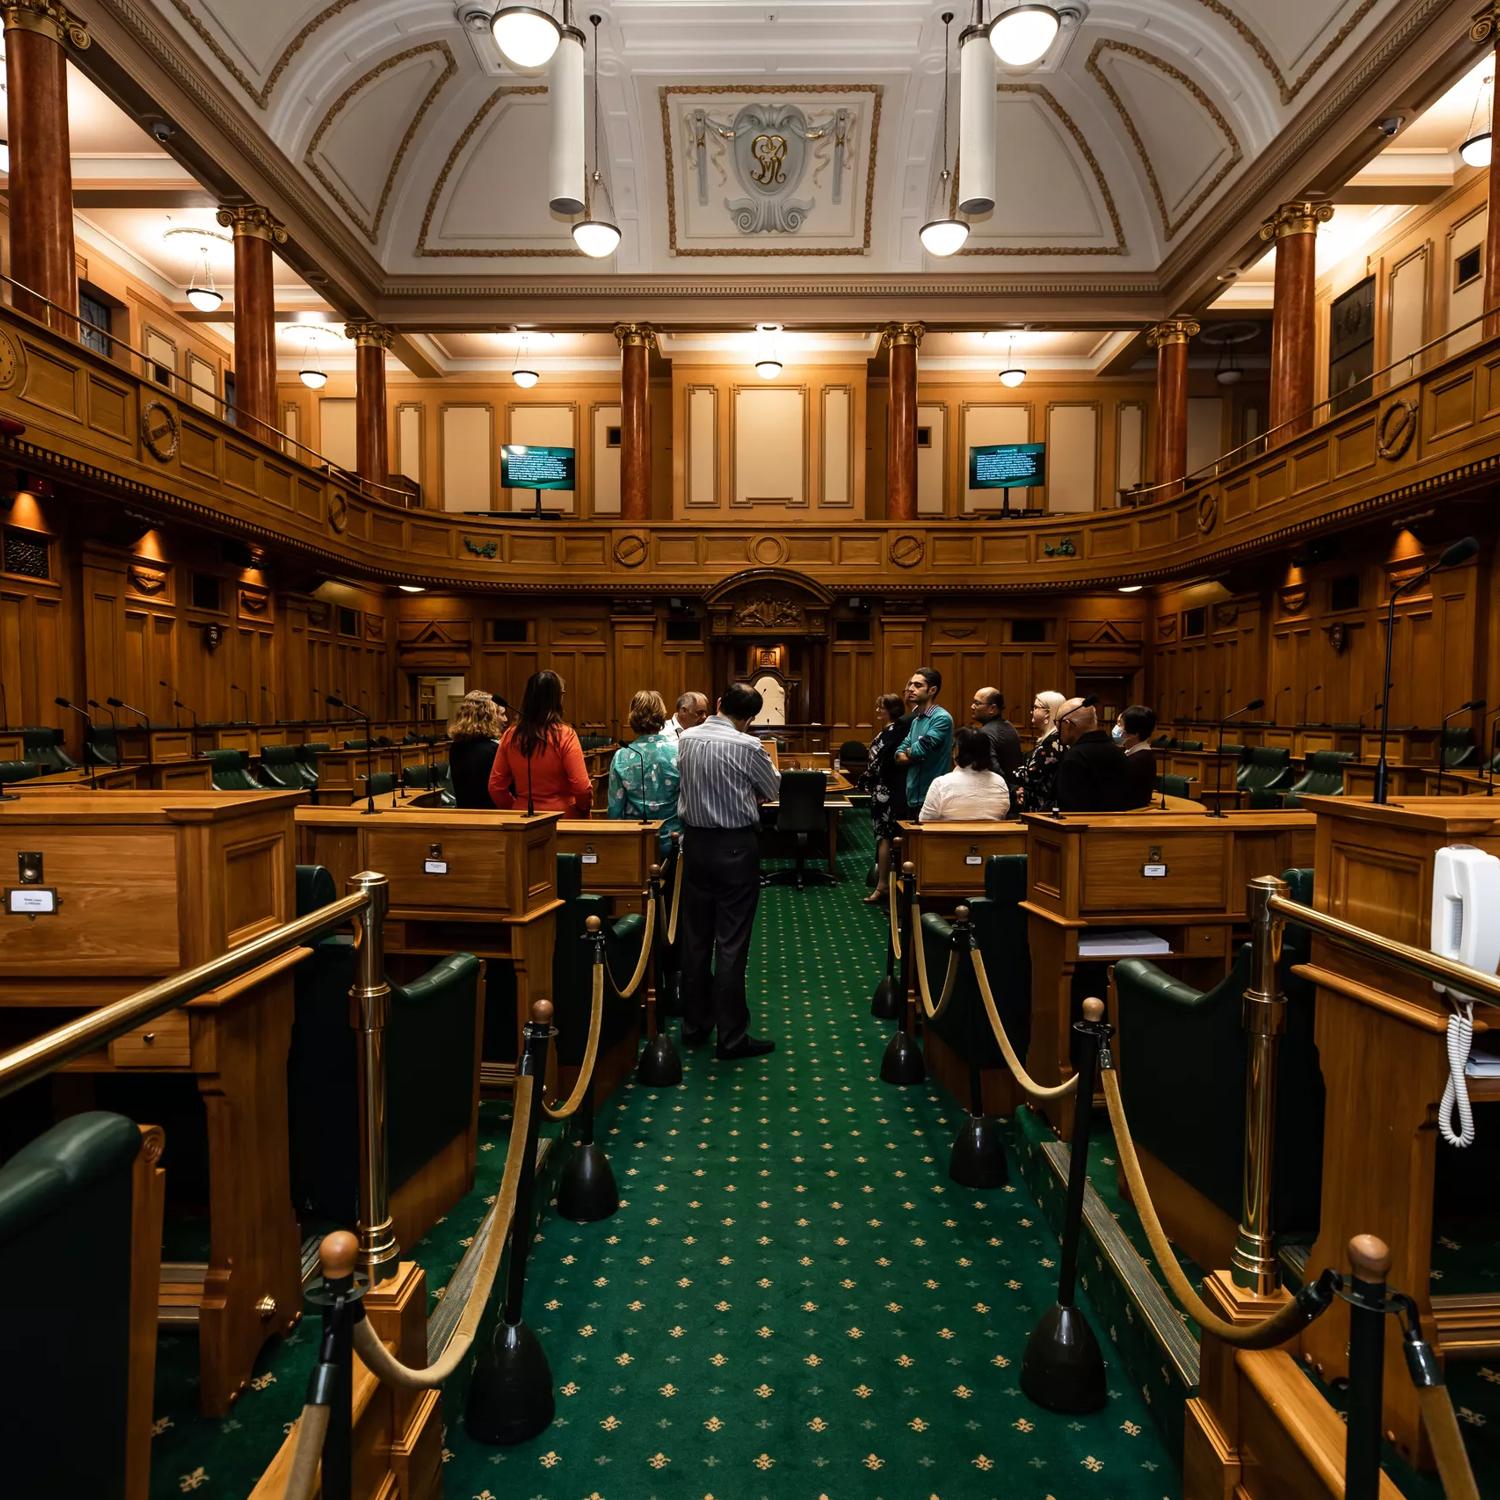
(367, 334)
(371, 230)
(1169, 224)
(1172, 331)
(48, 18)
(1299, 217)
(635, 334)
(253, 221)
(1289, 90)
(901, 333)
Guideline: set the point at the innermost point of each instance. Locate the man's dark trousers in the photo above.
(721, 889)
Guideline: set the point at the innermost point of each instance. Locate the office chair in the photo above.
(800, 811)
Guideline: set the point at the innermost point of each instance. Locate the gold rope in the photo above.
(1266, 1334)
(312, 1428)
(590, 1054)
(919, 959)
(367, 1344)
(676, 898)
(625, 991)
(1027, 1082)
(1447, 1443)
(895, 910)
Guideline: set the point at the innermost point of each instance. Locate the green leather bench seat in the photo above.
(280, 767)
(307, 762)
(66, 1249)
(1189, 745)
(231, 771)
(42, 745)
(382, 783)
(1173, 786)
(102, 748)
(430, 1044)
(1458, 749)
(1182, 1077)
(1265, 769)
(356, 744)
(21, 770)
(1322, 776)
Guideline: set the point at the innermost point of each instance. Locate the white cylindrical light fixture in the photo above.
(976, 123)
(566, 170)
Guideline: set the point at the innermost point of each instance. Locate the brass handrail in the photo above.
(35, 1059)
(1445, 971)
(388, 493)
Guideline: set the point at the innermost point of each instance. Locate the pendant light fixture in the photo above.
(1475, 150)
(768, 367)
(1012, 375)
(976, 117)
(595, 234)
(1021, 35)
(312, 373)
(566, 171)
(523, 375)
(942, 237)
(203, 294)
(527, 37)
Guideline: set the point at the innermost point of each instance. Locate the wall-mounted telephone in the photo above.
(1465, 927)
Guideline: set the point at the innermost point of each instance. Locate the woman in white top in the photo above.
(973, 791)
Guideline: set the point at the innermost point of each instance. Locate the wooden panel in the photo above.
(1113, 880)
(1004, 422)
(466, 438)
(606, 462)
(336, 437)
(1072, 456)
(1130, 444)
(544, 427)
(932, 462)
(838, 445)
(702, 445)
(768, 445)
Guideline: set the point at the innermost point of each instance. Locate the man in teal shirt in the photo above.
(927, 750)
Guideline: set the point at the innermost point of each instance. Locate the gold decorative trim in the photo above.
(1300, 217)
(734, 91)
(371, 231)
(1100, 182)
(1172, 331)
(49, 18)
(261, 96)
(253, 221)
(505, 91)
(1289, 91)
(146, 580)
(159, 430)
(1236, 154)
(365, 333)
(636, 334)
(901, 333)
(1484, 24)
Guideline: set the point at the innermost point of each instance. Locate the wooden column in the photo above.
(902, 339)
(635, 341)
(371, 445)
(1484, 27)
(1170, 340)
(255, 232)
(1294, 227)
(41, 173)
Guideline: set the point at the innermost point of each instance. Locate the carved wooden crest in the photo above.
(159, 430)
(212, 636)
(631, 550)
(253, 602)
(338, 510)
(907, 549)
(1338, 637)
(12, 362)
(1293, 598)
(767, 610)
(144, 580)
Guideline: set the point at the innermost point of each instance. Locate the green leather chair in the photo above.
(20, 770)
(280, 767)
(68, 1238)
(1458, 749)
(1161, 742)
(1173, 786)
(1189, 745)
(231, 771)
(382, 784)
(43, 747)
(356, 744)
(1322, 776)
(1182, 1072)
(307, 762)
(1265, 770)
(430, 1043)
(102, 747)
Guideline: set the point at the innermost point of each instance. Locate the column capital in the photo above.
(1485, 24)
(637, 334)
(902, 333)
(48, 17)
(1172, 331)
(365, 332)
(1301, 216)
(253, 221)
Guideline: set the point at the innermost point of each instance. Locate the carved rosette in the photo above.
(50, 19)
(1301, 217)
(253, 221)
(1172, 331)
(367, 334)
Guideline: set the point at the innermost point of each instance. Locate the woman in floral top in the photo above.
(1038, 781)
(643, 774)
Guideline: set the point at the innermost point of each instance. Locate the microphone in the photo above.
(145, 719)
(1276, 706)
(265, 692)
(176, 718)
(334, 701)
(1459, 552)
(1316, 688)
(234, 687)
(1249, 708)
(1462, 708)
(178, 703)
(88, 729)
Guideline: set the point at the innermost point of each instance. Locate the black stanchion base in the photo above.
(978, 1156)
(669, 994)
(903, 1062)
(885, 1003)
(511, 1397)
(659, 1067)
(586, 1190)
(1063, 1369)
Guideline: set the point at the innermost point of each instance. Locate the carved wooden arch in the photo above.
(761, 600)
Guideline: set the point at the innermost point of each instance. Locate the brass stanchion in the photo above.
(1253, 1261)
(370, 999)
(903, 1063)
(669, 970)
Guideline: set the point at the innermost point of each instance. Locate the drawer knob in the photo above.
(148, 1037)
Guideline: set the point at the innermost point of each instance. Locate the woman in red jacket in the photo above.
(539, 764)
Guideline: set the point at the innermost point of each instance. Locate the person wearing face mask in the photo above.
(1037, 787)
(1132, 733)
(1093, 774)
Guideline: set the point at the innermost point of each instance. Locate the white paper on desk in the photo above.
(1483, 1063)
(1130, 943)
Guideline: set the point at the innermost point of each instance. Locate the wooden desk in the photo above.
(1411, 746)
(107, 778)
(617, 853)
(1381, 1042)
(178, 775)
(1088, 870)
(244, 737)
(495, 895)
(950, 857)
(1456, 784)
(1403, 780)
(155, 744)
(341, 773)
(12, 745)
(150, 883)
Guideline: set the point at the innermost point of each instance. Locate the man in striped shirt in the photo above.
(725, 774)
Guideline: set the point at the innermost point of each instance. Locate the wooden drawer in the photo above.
(162, 1044)
(1205, 941)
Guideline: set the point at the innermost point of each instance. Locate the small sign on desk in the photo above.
(434, 866)
(31, 901)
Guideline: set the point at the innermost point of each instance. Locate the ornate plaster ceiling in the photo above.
(1140, 143)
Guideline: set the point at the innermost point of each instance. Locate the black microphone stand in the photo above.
(176, 717)
(1250, 707)
(1442, 763)
(1306, 697)
(145, 724)
(88, 738)
(336, 702)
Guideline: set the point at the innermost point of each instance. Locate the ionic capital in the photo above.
(1485, 24)
(365, 333)
(636, 335)
(1172, 331)
(49, 18)
(902, 333)
(252, 221)
(1300, 217)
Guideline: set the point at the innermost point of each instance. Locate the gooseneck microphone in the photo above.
(145, 719)
(265, 692)
(176, 717)
(88, 735)
(178, 703)
(234, 687)
(1462, 708)
(1317, 687)
(334, 701)
(1460, 552)
(1218, 808)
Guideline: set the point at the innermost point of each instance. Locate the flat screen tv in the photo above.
(526, 466)
(1007, 466)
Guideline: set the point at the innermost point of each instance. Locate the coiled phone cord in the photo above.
(1456, 1091)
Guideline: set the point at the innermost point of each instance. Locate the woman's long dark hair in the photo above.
(541, 712)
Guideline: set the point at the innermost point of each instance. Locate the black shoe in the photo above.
(747, 1046)
(695, 1038)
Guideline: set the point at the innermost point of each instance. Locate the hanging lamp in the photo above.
(943, 237)
(1021, 36)
(1013, 374)
(312, 373)
(522, 373)
(203, 294)
(527, 37)
(596, 236)
(1475, 150)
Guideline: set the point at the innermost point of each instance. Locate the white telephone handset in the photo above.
(1465, 927)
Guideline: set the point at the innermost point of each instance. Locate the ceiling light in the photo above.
(1013, 374)
(943, 237)
(1475, 151)
(526, 37)
(411, 588)
(203, 294)
(768, 327)
(312, 374)
(768, 368)
(1130, 588)
(313, 378)
(523, 375)
(595, 236)
(1022, 36)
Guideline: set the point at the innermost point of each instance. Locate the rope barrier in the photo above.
(590, 1054)
(367, 1343)
(919, 955)
(625, 991)
(1266, 1334)
(302, 1481)
(1448, 1451)
(1014, 1063)
(895, 911)
(676, 899)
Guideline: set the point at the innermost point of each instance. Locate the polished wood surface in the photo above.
(901, 458)
(950, 857)
(254, 329)
(370, 430)
(617, 853)
(635, 428)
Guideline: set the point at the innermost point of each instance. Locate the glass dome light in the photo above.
(596, 237)
(525, 378)
(1476, 150)
(768, 369)
(1012, 377)
(527, 37)
(313, 378)
(943, 236)
(1021, 37)
(205, 298)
